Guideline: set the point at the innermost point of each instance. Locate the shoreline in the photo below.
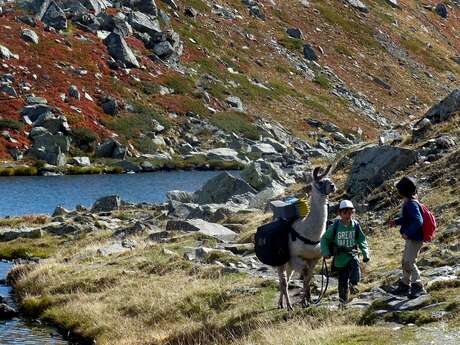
(70, 170)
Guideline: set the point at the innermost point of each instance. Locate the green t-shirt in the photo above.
(346, 239)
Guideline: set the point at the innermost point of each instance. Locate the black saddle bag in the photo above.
(272, 242)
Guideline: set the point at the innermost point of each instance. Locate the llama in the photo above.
(304, 248)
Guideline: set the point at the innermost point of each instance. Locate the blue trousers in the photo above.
(351, 273)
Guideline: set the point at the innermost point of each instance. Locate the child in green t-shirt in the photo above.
(342, 240)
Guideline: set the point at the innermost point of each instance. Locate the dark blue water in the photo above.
(41, 194)
(17, 331)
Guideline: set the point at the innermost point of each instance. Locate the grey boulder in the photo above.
(375, 164)
(55, 17)
(210, 229)
(119, 50)
(294, 33)
(49, 147)
(309, 52)
(111, 149)
(53, 123)
(29, 36)
(146, 6)
(107, 204)
(7, 312)
(442, 111)
(144, 23)
(221, 189)
(163, 49)
(358, 5)
(5, 53)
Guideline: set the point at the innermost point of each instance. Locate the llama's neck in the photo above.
(314, 225)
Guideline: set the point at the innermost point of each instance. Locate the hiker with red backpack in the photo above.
(341, 240)
(417, 225)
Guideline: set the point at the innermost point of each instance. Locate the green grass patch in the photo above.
(315, 105)
(364, 33)
(344, 50)
(83, 137)
(292, 43)
(18, 171)
(11, 124)
(180, 84)
(130, 125)
(236, 122)
(27, 248)
(322, 81)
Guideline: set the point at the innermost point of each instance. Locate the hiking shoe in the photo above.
(342, 304)
(416, 290)
(402, 289)
(353, 289)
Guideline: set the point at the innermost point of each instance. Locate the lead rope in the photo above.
(324, 276)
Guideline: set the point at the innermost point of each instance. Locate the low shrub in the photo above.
(11, 124)
(236, 122)
(25, 171)
(84, 138)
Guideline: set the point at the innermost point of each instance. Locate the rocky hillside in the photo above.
(164, 83)
(185, 272)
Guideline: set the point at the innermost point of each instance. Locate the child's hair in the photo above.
(407, 187)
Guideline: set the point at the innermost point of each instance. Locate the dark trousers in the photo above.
(351, 273)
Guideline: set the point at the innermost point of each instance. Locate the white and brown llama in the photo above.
(304, 247)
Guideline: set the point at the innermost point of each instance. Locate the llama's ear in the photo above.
(309, 177)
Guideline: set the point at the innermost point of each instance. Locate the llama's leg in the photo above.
(289, 273)
(282, 277)
(307, 275)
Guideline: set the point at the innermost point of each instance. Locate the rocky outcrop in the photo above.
(210, 229)
(54, 17)
(111, 149)
(7, 312)
(49, 147)
(119, 50)
(146, 6)
(375, 164)
(221, 189)
(442, 111)
(107, 204)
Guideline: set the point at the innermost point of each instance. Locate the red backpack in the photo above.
(429, 223)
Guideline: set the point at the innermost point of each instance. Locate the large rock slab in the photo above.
(111, 149)
(7, 312)
(144, 23)
(119, 50)
(210, 229)
(113, 249)
(53, 123)
(442, 111)
(358, 5)
(49, 147)
(107, 204)
(375, 164)
(55, 17)
(221, 189)
(222, 154)
(5, 53)
(146, 6)
(29, 36)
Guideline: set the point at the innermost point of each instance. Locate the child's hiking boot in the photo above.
(343, 294)
(416, 290)
(353, 289)
(401, 289)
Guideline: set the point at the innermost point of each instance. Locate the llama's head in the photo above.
(321, 182)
